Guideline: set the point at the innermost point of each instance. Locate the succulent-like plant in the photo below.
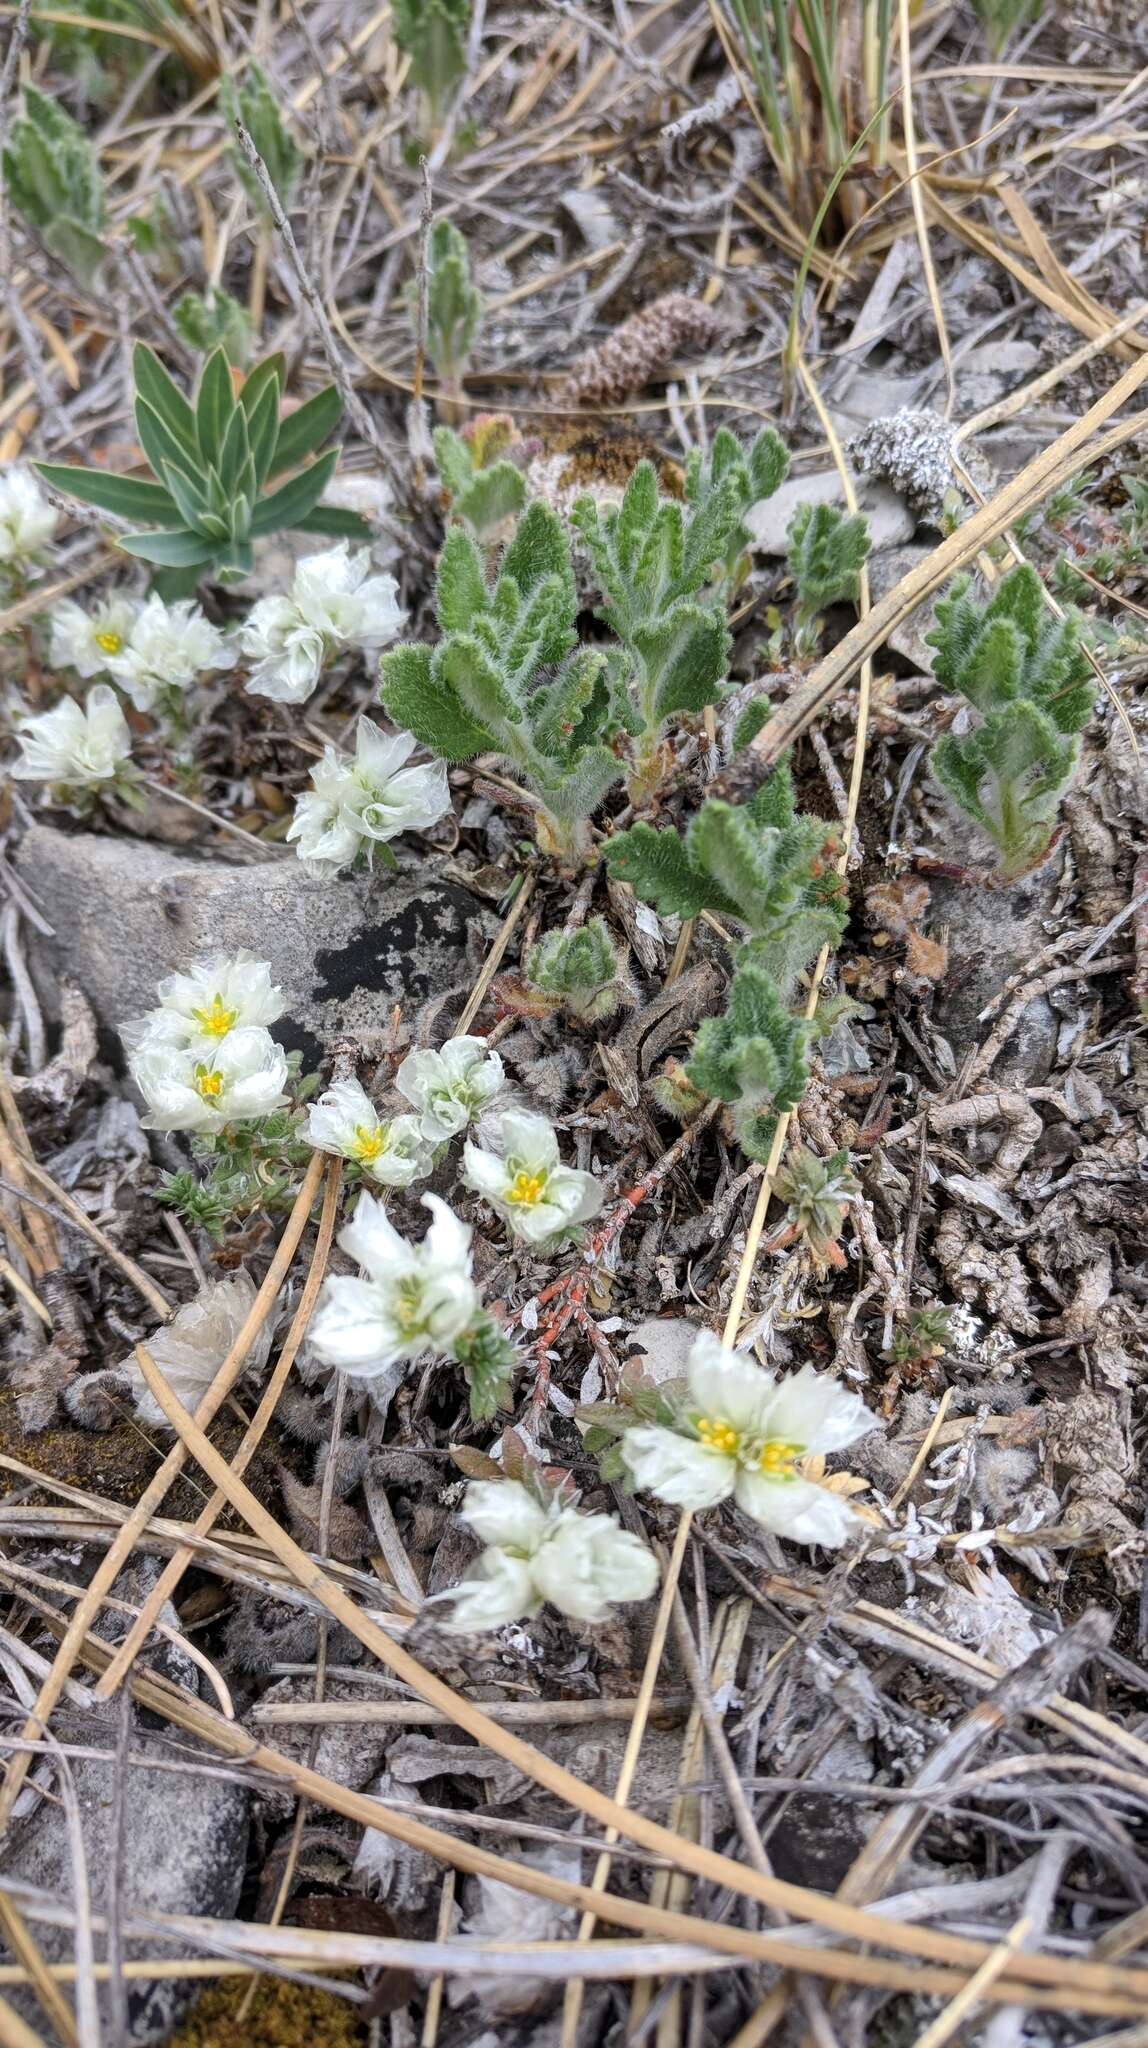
(826, 552)
(432, 33)
(763, 863)
(653, 558)
(508, 676)
(212, 320)
(578, 971)
(454, 305)
(1027, 674)
(755, 1057)
(484, 489)
(212, 457)
(255, 105)
(817, 1193)
(756, 473)
(54, 182)
(768, 866)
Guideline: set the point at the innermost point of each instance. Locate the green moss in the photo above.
(281, 2016)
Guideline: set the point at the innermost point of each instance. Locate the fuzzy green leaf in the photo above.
(827, 548)
(460, 583)
(417, 700)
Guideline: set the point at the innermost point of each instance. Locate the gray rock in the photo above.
(907, 639)
(992, 936)
(185, 1847)
(996, 367)
(890, 520)
(127, 912)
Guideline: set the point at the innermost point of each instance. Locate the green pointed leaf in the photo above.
(129, 497)
(153, 384)
(263, 429)
(336, 521)
(272, 370)
(171, 550)
(214, 405)
(295, 499)
(302, 430)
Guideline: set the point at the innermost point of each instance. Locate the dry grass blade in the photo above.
(165, 1586)
(123, 1543)
(1042, 475)
(1087, 1980)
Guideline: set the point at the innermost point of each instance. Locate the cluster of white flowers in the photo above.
(447, 1089)
(27, 520)
(75, 746)
(204, 1057)
(742, 1437)
(364, 799)
(582, 1564)
(389, 1150)
(450, 1089)
(415, 1297)
(524, 1179)
(150, 649)
(334, 602)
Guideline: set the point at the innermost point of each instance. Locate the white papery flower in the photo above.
(222, 992)
(747, 1431)
(390, 1150)
(582, 1564)
(334, 602)
(191, 1348)
(202, 1088)
(452, 1087)
(415, 1298)
(526, 1181)
(75, 745)
(168, 647)
(88, 641)
(27, 519)
(366, 797)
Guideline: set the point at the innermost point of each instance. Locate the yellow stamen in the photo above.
(777, 1459)
(717, 1436)
(214, 1019)
(208, 1083)
(527, 1187)
(111, 643)
(369, 1141)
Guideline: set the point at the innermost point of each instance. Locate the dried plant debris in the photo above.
(476, 1157)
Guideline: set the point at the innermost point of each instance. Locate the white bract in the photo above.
(27, 520)
(365, 797)
(334, 602)
(582, 1564)
(221, 993)
(390, 1150)
(88, 641)
(526, 1182)
(746, 1432)
(168, 647)
(415, 1298)
(191, 1348)
(452, 1087)
(203, 1087)
(75, 745)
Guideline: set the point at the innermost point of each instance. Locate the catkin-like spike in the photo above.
(639, 348)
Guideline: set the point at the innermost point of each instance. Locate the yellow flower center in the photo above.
(717, 1436)
(773, 1458)
(369, 1141)
(208, 1083)
(214, 1018)
(777, 1459)
(527, 1187)
(111, 643)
